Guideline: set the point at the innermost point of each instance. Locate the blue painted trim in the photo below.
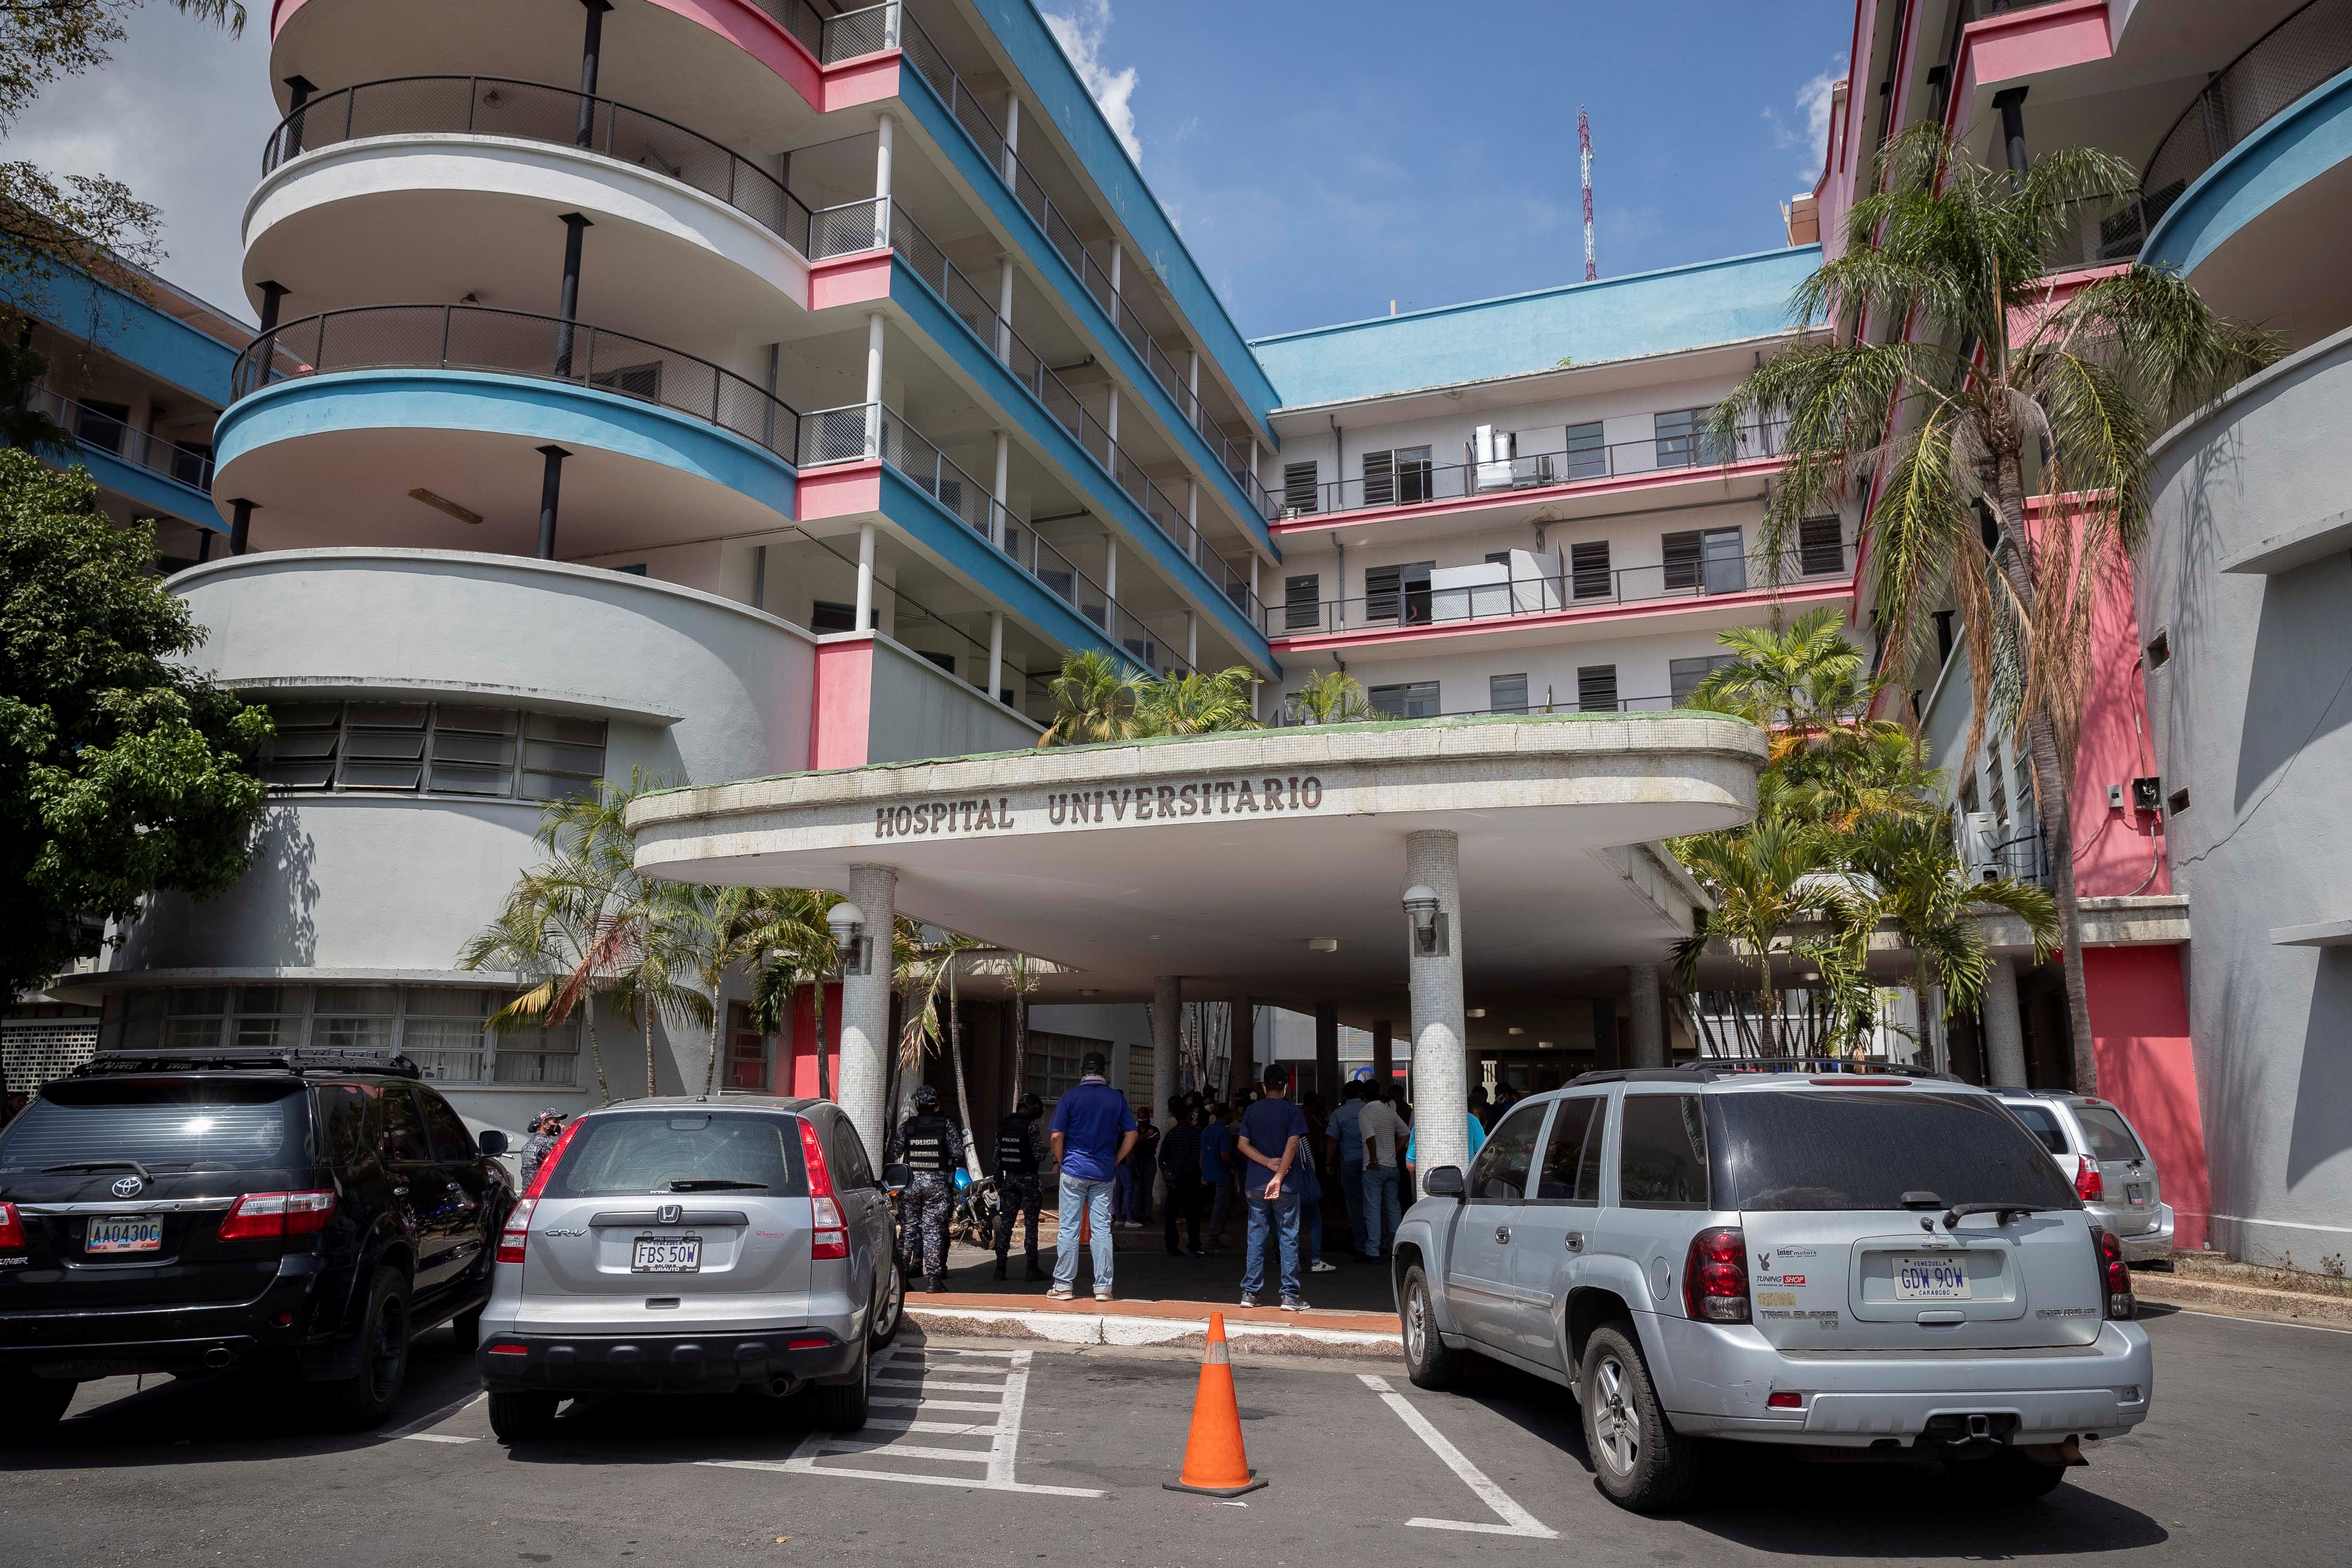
(2286, 151)
(515, 406)
(931, 316)
(130, 329)
(1023, 34)
(145, 489)
(949, 137)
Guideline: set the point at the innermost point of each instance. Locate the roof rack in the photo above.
(1708, 1069)
(306, 1059)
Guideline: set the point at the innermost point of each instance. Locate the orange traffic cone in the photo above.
(1215, 1464)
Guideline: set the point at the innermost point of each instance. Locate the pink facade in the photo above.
(796, 1068)
(2139, 1035)
(841, 709)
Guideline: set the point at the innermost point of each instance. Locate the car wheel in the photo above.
(467, 1328)
(366, 1397)
(1427, 1359)
(889, 1307)
(1642, 1462)
(523, 1417)
(2004, 1478)
(841, 1407)
(29, 1404)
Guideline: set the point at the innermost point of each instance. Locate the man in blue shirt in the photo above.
(1347, 1137)
(1093, 1130)
(1217, 1159)
(1273, 1139)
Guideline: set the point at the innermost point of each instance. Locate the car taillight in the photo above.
(266, 1215)
(1785, 1399)
(12, 1226)
(2115, 1275)
(831, 1236)
(1715, 1275)
(2089, 1186)
(515, 1236)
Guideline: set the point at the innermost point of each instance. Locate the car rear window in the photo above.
(1865, 1149)
(2042, 1122)
(682, 1152)
(196, 1124)
(2107, 1133)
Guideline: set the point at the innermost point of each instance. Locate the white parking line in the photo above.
(435, 1437)
(997, 1460)
(1518, 1521)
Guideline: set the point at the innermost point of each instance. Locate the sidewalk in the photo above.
(2202, 1284)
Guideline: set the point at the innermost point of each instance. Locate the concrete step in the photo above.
(2325, 1309)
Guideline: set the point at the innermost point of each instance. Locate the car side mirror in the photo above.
(1445, 1182)
(492, 1141)
(897, 1175)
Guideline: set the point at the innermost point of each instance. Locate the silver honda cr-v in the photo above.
(693, 1247)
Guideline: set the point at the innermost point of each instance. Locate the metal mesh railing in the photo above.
(2284, 64)
(512, 343)
(2096, 232)
(500, 105)
(100, 431)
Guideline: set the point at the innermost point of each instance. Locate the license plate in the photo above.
(1931, 1279)
(2136, 1195)
(137, 1233)
(667, 1255)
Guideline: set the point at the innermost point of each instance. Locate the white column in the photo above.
(1003, 478)
(1440, 1088)
(1192, 382)
(886, 138)
(1193, 503)
(1004, 309)
(1649, 1016)
(874, 384)
(1254, 458)
(1112, 424)
(1932, 1025)
(1118, 252)
(1110, 565)
(865, 582)
(866, 1011)
(1254, 588)
(2004, 1027)
(1193, 638)
(1013, 138)
(995, 655)
(1167, 1020)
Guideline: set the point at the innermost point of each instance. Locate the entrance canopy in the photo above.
(1235, 859)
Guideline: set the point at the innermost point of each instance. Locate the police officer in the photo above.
(1020, 1157)
(931, 1147)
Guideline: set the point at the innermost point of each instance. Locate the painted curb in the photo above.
(1184, 1333)
(2246, 1300)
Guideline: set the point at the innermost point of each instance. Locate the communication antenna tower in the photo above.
(1584, 161)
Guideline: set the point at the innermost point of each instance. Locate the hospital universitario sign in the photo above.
(1259, 796)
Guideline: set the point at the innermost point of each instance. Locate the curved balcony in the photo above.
(420, 424)
(455, 186)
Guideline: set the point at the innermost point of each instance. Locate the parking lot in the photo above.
(1013, 1456)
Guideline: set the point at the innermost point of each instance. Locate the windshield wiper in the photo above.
(1954, 1214)
(709, 1185)
(144, 1174)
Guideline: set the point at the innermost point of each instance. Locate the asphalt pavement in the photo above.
(1003, 1454)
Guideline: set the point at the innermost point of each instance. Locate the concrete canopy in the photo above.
(1175, 859)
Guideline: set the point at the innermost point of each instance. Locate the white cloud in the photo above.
(1081, 37)
(1812, 106)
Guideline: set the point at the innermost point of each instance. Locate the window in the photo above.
(550, 1055)
(1054, 1061)
(444, 1029)
(1661, 1158)
(349, 1121)
(1711, 561)
(268, 1018)
(1969, 797)
(1820, 546)
(1998, 786)
(944, 660)
(222, 1124)
(1302, 602)
(658, 1151)
(1499, 1173)
(2108, 1135)
(1398, 593)
(1300, 489)
(852, 1170)
(747, 1050)
(2159, 650)
(1864, 1148)
(828, 616)
(1415, 475)
(1596, 689)
(452, 1144)
(1680, 434)
(355, 1017)
(1507, 693)
(1571, 1157)
(1411, 699)
(2022, 769)
(1380, 479)
(443, 1032)
(405, 1140)
(2176, 803)
(444, 748)
(1588, 455)
(1588, 569)
(1687, 675)
(2042, 1122)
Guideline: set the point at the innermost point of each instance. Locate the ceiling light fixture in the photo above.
(444, 504)
(1322, 945)
(1475, 1013)
(1517, 1030)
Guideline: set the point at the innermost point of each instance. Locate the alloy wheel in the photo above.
(1616, 1430)
(1416, 1325)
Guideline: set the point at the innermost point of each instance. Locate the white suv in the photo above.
(1784, 1252)
(2097, 1148)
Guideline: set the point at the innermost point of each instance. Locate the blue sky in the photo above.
(1323, 157)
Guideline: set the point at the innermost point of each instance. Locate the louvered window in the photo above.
(1588, 569)
(1302, 602)
(1398, 593)
(438, 748)
(1596, 688)
(1298, 487)
(1709, 560)
(1380, 479)
(1820, 546)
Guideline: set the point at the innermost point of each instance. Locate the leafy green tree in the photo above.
(122, 773)
(1200, 703)
(1094, 697)
(801, 950)
(1331, 697)
(1989, 391)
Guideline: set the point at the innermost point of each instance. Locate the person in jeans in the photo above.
(1345, 1137)
(1180, 1165)
(1093, 1130)
(1217, 1160)
(1272, 1143)
(1384, 1132)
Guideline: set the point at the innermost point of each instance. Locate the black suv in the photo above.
(172, 1212)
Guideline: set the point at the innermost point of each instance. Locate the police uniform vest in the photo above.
(1017, 1147)
(927, 1145)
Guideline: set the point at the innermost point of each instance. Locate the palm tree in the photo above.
(1992, 389)
(546, 934)
(727, 927)
(801, 952)
(1765, 880)
(1095, 698)
(1197, 704)
(1782, 679)
(1021, 978)
(928, 978)
(1333, 696)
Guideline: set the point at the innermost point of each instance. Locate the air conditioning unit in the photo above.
(1980, 846)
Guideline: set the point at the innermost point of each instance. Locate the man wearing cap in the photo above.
(545, 1129)
(1093, 1130)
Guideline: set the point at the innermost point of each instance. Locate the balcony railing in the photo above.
(863, 32)
(862, 431)
(501, 106)
(2303, 51)
(857, 226)
(512, 343)
(2096, 231)
(1412, 476)
(1517, 597)
(102, 432)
